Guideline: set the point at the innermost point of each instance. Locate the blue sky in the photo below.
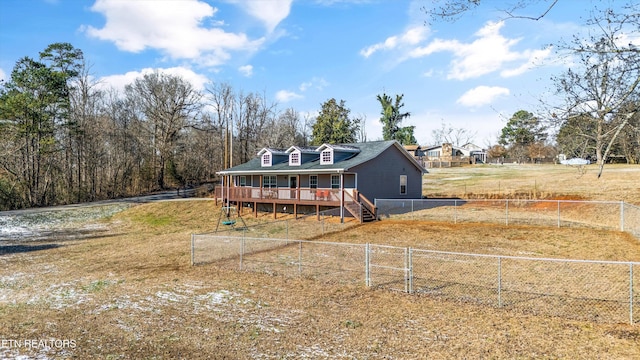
(473, 73)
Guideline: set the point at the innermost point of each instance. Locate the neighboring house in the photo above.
(306, 179)
(447, 155)
(417, 153)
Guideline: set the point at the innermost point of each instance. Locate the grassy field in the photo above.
(126, 290)
(617, 183)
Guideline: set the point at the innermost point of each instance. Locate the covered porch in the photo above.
(297, 191)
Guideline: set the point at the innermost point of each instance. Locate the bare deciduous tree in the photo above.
(168, 104)
(455, 136)
(605, 80)
(452, 10)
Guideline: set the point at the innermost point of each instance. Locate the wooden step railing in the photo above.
(360, 207)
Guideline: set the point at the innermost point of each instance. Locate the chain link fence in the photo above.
(331, 262)
(631, 219)
(308, 227)
(599, 291)
(606, 215)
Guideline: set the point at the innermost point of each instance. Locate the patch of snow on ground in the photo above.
(32, 224)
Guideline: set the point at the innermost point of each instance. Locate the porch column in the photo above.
(228, 191)
(342, 197)
(295, 204)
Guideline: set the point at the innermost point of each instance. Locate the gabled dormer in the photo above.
(331, 154)
(299, 155)
(270, 156)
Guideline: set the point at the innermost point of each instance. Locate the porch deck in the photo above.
(326, 197)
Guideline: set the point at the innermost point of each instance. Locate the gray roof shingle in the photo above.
(367, 151)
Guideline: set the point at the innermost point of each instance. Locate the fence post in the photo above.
(406, 270)
(192, 249)
(631, 293)
(455, 211)
(300, 258)
(367, 274)
(499, 281)
(507, 214)
(621, 215)
(410, 271)
(241, 251)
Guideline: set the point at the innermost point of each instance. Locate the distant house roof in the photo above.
(362, 152)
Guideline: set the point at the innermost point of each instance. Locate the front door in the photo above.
(293, 184)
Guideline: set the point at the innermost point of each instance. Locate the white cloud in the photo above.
(482, 95)
(490, 52)
(413, 36)
(118, 82)
(428, 73)
(246, 70)
(173, 27)
(315, 82)
(534, 58)
(271, 13)
(3, 75)
(286, 96)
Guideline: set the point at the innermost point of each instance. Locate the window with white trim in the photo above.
(243, 180)
(294, 159)
(326, 157)
(313, 181)
(266, 159)
(335, 181)
(269, 181)
(433, 153)
(403, 184)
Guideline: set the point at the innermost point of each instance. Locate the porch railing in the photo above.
(326, 196)
(268, 194)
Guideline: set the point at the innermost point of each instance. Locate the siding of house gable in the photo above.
(306, 157)
(380, 178)
(339, 156)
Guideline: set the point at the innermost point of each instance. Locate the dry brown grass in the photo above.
(617, 183)
(131, 293)
(513, 240)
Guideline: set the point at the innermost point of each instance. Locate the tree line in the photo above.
(64, 138)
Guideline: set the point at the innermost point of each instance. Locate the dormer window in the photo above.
(326, 157)
(266, 159)
(294, 159)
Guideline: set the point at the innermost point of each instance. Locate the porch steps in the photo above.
(354, 209)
